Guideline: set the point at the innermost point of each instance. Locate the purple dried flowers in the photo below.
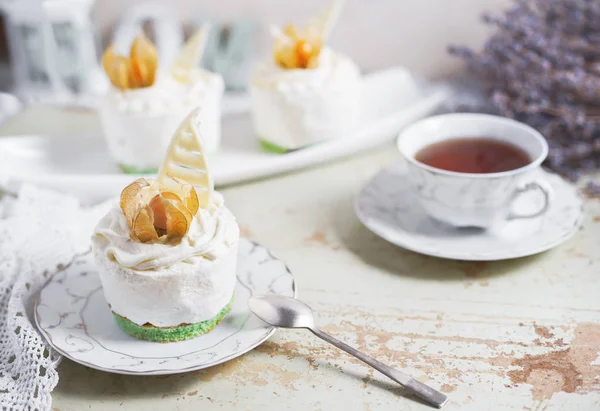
(592, 190)
(542, 67)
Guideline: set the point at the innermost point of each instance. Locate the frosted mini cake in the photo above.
(145, 104)
(167, 252)
(308, 93)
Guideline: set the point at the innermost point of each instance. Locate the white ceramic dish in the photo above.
(73, 316)
(80, 164)
(387, 206)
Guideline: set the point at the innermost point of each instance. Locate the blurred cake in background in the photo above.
(307, 93)
(146, 102)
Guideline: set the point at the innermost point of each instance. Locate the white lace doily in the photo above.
(40, 232)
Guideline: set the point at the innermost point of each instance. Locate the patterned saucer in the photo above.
(73, 316)
(388, 207)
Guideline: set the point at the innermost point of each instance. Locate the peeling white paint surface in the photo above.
(514, 335)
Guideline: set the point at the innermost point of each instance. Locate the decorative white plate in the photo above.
(80, 164)
(388, 207)
(73, 316)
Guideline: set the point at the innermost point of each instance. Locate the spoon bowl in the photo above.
(281, 311)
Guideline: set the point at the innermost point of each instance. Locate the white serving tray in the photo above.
(79, 164)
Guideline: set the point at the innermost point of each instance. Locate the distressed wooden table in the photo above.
(515, 335)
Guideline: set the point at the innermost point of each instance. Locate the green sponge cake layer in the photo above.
(134, 170)
(171, 334)
(273, 148)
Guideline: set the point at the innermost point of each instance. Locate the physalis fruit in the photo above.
(156, 215)
(298, 49)
(135, 71)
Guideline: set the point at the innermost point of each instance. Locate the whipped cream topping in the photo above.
(167, 94)
(212, 234)
(333, 70)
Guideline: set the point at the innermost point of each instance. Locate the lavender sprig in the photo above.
(542, 67)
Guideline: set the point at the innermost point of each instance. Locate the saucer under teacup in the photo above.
(387, 206)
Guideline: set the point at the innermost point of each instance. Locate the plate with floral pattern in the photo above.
(388, 207)
(75, 319)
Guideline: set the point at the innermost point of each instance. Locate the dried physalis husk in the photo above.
(178, 216)
(290, 31)
(143, 226)
(168, 219)
(134, 195)
(144, 61)
(135, 71)
(118, 67)
(298, 50)
(108, 58)
(184, 190)
(156, 214)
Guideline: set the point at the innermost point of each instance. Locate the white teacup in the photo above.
(474, 200)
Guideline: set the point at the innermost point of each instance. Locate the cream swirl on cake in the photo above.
(333, 70)
(168, 94)
(211, 235)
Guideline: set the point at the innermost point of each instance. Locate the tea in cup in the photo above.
(468, 169)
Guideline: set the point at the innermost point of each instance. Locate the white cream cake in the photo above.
(306, 93)
(167, 285)
(167, 252)
(294, 108)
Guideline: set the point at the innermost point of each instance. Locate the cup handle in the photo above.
(527, 186)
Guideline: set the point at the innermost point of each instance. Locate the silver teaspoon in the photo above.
(289, 312)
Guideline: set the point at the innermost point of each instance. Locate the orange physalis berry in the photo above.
(154, 214)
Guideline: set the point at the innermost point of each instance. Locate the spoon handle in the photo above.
(421, 390)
